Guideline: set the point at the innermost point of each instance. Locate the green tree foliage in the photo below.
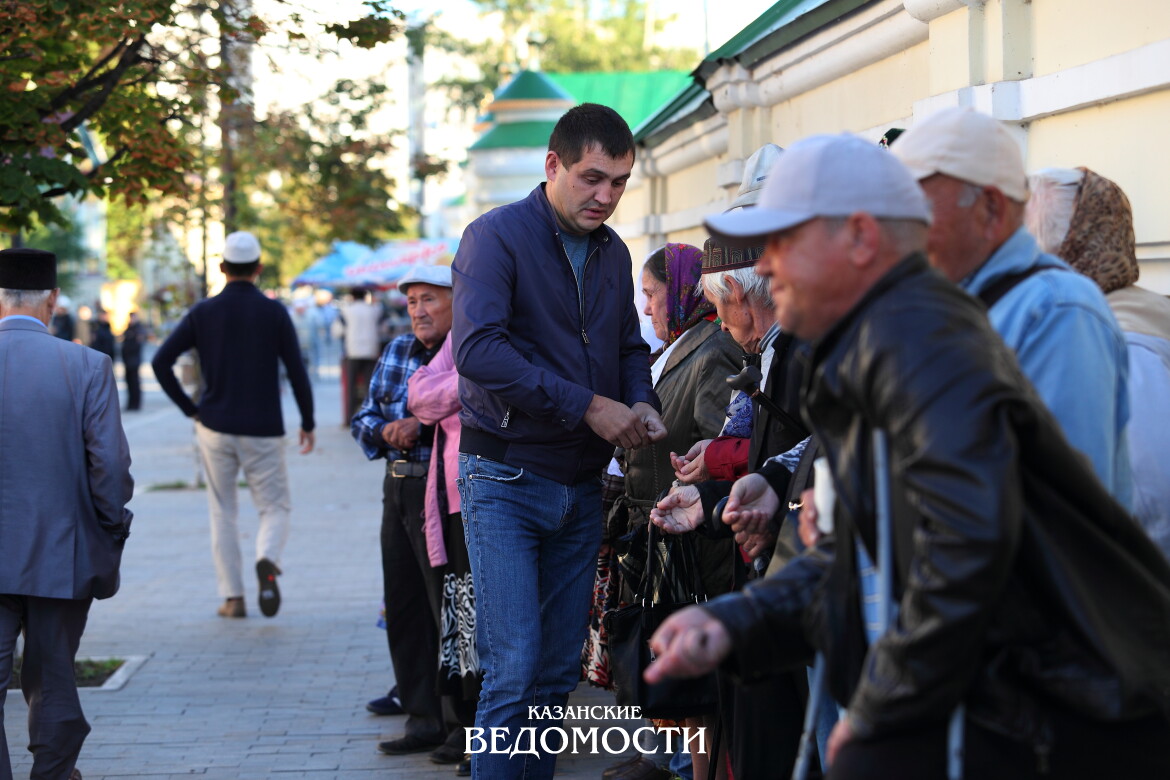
(64, 241)
(321, 175)
(138, 75)
(568, 35)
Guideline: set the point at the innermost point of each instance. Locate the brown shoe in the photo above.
(75, 775)
(232, 608)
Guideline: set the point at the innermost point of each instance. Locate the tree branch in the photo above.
(128, 60)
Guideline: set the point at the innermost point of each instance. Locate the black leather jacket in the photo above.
(1022, 585)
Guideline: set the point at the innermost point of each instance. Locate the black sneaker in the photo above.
(389, 704)
(266, 570)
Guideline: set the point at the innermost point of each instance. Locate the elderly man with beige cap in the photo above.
(1057, 322)
(991, 522)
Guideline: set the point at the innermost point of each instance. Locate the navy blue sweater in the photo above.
(239, 334)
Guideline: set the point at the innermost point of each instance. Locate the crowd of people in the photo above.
(905, 420)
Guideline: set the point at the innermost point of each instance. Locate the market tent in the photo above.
(388, 263)
(329, 270)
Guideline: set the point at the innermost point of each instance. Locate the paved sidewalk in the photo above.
(254, 698)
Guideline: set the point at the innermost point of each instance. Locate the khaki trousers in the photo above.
(262, 461)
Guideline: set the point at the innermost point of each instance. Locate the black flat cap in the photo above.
(27, 269)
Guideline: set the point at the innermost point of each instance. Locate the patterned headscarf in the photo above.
(1100, 238)
(685, 304)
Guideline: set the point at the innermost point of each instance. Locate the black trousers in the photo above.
(133, 385)
(1079, 748)
(412, 590)
(357, 383)
(56, 726)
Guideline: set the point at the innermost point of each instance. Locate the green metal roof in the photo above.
(513, 135)
(634, 95)
(530, 85)
(781, 25)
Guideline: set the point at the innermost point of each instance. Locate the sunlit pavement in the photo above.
(255, 698)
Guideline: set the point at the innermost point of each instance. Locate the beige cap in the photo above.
(966, 145)
(437, 275)
(755, 171)
(825, 176)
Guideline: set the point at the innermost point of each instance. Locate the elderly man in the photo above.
(1058, 322)
(64, 484)
(385, 430)
(242, 337)
(995, 518)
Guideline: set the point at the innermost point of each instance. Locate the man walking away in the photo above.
(242, 336)
(64, 484)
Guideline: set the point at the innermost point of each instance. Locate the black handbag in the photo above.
(670, 581)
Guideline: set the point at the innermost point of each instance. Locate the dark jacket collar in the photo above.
(538, 200)
(908, 266)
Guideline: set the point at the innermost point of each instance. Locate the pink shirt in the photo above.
(433, 397)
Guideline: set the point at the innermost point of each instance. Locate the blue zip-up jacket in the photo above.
(1070, 346)
(533, 347)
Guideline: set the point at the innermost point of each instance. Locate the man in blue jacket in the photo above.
(1055, 320)
(554, 375)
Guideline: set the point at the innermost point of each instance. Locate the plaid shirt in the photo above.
(386, 401)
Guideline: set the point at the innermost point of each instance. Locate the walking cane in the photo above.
(885, 563)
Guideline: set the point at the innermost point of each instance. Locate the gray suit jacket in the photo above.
(64, 467)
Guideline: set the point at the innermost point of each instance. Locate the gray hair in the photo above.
(906, 235)
(23, 299)
(1050, 209)
(755, 287)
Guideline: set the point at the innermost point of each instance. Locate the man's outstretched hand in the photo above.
(689, 643)
(623, 426)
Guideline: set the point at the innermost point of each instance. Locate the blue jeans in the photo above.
(533, 546)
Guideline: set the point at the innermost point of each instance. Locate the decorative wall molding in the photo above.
(929, 10)
(1122, 76)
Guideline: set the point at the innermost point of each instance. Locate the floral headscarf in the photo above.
(685, 304)
(1100, 238)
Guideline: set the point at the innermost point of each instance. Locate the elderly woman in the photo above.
(689, 376)
(1086, 219)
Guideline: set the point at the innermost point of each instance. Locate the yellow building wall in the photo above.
(1124, 141)
(879, 94)
(691, 187)
(1075, 32)
(692, 236)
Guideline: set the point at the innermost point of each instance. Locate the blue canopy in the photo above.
(329, 271)
(351, 264)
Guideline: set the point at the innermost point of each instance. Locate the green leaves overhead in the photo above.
(105, 97)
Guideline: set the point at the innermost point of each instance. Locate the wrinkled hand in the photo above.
(617, 423)
(655, 428)
(842, 734)
(809, 533)
(751, 505)
(679, 511)
(689, 643)
(756, 545)
(307, 440)
(691, 468)
(401, 434)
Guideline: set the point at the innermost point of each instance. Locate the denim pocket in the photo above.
(495, 471)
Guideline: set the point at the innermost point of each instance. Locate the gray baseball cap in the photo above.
(826, 176)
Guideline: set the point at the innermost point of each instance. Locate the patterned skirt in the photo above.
(459, 672)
